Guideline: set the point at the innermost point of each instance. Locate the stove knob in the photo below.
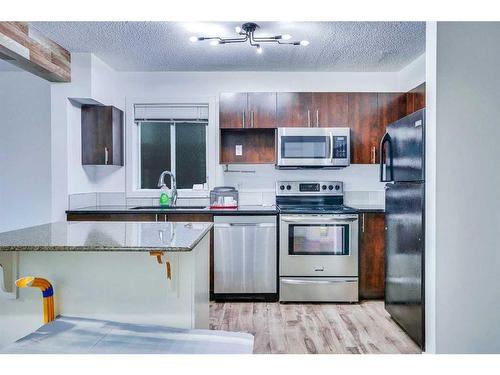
(282, 187)
(337, 187)
(323, 187)
(330, 187)
(288, 187)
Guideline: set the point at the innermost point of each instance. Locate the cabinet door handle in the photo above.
(309, 118)
(317, 118)
(374, 154)
(106, 155)
(251, 119)
(363, 223)
(243, 119)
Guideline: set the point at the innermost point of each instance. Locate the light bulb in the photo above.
(237, 29)
(286, 37)
(304, 43)
(193, 39)
(214, 42)
(259, 50)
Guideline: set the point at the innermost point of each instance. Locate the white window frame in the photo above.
(132, 149)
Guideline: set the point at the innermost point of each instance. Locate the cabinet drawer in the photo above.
(319, 289)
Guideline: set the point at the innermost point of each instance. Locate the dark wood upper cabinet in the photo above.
(232, 110)
(392, 107)
(102, 135)
(247, 110)
(261, 110)
(367, 114)
(371, 256)
(295, 109)
(257, 146)
(415, 99)
(364, 124)
(329, 109)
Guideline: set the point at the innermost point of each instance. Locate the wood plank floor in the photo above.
(314, 328)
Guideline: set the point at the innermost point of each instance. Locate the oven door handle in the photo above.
(331, 147)
(310, 220)
(315, 281)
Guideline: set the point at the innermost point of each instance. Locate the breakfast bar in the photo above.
(129, 272)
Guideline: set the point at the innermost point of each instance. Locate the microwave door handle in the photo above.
(386, 138)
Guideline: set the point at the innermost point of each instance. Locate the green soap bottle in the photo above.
(164, 197)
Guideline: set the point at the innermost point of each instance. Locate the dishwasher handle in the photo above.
(260, 225)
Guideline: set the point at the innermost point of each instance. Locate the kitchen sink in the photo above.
(168, 208)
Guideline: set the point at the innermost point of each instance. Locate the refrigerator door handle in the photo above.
(386, 138)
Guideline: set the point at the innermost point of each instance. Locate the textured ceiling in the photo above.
(164, 46)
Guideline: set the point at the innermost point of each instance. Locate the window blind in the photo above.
(144, 112)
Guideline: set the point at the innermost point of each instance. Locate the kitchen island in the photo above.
(141, 273)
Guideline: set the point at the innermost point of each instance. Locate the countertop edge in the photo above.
(132, 249)
(130, 211)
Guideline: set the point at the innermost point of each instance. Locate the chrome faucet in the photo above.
(161, 183)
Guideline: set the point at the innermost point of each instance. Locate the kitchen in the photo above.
(303, 152)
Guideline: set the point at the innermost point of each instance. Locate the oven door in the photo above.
(319, 245)
(313, 147)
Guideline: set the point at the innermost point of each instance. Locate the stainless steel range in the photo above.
(318, 242)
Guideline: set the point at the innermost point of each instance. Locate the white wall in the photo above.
(25, 150)
(83, 179)
(90, 78)
(413, 74)
(467, 204)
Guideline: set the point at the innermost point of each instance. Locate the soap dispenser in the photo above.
(164, 197)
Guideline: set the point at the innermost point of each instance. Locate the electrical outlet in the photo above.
(239, 150)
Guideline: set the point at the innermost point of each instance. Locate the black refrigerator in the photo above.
(402, 161)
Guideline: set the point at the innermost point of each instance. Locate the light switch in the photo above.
(239, 150)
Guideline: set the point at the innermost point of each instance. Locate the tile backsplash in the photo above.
(361, 187)
(111, 199)
(81, 200)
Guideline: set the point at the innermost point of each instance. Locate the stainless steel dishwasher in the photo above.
(245, 257)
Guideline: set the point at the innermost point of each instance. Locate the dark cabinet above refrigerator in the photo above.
(102, 135)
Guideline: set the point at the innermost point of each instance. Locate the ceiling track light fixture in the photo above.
(247, 31)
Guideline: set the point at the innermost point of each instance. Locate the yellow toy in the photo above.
(47, 291)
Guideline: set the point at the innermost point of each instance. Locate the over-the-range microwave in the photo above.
(313, 147)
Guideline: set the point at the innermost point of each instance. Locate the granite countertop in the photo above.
(241, 210)
(106, 236)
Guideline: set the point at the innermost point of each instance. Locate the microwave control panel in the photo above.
(339, 147)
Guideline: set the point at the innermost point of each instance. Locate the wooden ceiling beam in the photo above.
(24, 46)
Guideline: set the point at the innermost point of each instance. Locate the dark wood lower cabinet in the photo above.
(371, 256)
(113, 217)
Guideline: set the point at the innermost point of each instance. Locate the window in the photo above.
(172, 138)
